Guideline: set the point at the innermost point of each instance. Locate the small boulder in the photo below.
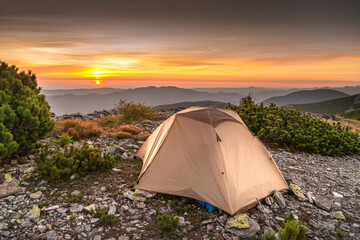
(242, 226)
(337, 195)
(279, 199)
(7, 189)
(298, 192)
(75, 193)
(34, 212)
(323, 203)
(75, 208)
(36, 195)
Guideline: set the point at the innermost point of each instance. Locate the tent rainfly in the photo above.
(210, 155)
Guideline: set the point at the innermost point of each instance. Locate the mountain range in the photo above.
(305, 96)
(63, 101)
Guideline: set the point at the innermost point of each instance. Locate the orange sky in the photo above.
(146, 46)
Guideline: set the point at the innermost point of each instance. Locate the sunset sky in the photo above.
(194, 43)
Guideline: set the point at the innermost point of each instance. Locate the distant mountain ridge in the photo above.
(152, 96)
(190, 104)
(306, 96)
(335, 106)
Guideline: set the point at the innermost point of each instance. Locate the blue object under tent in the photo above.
(210, 207)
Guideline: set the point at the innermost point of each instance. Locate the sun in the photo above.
(97, 82)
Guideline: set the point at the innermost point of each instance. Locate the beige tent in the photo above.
(210, 155)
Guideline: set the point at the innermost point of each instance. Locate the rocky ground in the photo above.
(325, 195)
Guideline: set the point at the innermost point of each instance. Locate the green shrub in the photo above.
(24, 112)
(60, 164)
(352, 115)
(291, 129)
(63, 140)
(129, 111)
(340, 234)
(167, 223)
(108, 219)
(269, 236)
(294, 230)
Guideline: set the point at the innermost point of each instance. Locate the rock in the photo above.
(51, 235)
(97, 237)
(123, 237)
(9, 179)
(339, 215)
(181, 221)
(3, 226)
(310, 197)
(112, 210)
(142, 193)
(323, 203)
(75, 208)
(116, 170)
(29, 170)
(42, 228)
(239, 221)
(103, 188)
(242, 226)
(269, 201)
(337, 195)
(36, 195)
(34, 212)
(130, 195)
(62, 210)
(279, 199)
(94, 220)
(91, 207)
(75, 193)
(297, 191)
(7, 189)
(51, 208)
(26, 223)
(141, 205)
(263, 209)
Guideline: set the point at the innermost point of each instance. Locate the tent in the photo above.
(210, 155)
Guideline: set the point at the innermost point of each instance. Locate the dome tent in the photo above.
(210, 155)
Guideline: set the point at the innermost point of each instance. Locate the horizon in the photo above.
(279, 44)
(169, 86)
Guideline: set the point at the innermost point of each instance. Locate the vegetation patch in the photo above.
(24, 113)
(60, 164)
(352, 115)
(167, 223)
(128, 112)
(291, 129)
(292, 229)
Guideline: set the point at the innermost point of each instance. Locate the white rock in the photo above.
(337, 195)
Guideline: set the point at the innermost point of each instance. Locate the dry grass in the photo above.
(143, 137)
(353, 125)
(123, 135)
(130, 129)
(79, 129)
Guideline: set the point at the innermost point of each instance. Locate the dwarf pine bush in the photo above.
(130, 111)
(60, 164)
(291, 129)
(167, 223)
(24, 112)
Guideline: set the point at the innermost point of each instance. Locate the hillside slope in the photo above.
(335, 106)
(306, 96)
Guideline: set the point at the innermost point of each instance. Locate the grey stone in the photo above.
(181, 221)
(112, 210)
(75, 193)
(245, 232)
(323, 203)
(279, 199)
(7, 189)
(75, 208)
